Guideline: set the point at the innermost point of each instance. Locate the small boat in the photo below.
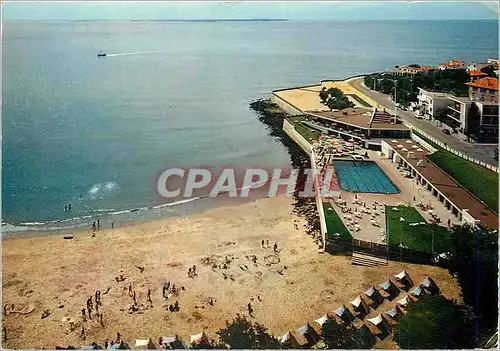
(101, 55)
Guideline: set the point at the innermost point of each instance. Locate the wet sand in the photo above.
(51, 273)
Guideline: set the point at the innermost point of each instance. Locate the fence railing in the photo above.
(391, 252)
(453, 151)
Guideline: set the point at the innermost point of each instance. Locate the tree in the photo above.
(334, 98)
(433, 322)
(344, 336)
(323, 95)
(479, 288)
(243, 334)
(474, 117)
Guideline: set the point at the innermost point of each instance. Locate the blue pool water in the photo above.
(363, 177)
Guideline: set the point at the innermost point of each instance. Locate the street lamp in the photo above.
(401, 220)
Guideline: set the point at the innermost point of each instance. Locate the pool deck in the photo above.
(408, 188)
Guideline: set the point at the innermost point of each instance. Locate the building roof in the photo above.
(434, 94)
(444, 183)
(464, 99)
(360, 117)
(474, 73)
(486, 82)
(452, 63)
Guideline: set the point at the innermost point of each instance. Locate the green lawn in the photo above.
(479, 180)
(334, 224)
(414, 237)
(308, 133)
(361, 101)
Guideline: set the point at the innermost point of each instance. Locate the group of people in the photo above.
(67, 208)
(90, 306)
(192, 272)
(265, 244)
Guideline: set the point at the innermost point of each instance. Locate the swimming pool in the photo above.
(363, 177)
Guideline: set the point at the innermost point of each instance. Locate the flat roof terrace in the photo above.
(359, 117)
(443, 182)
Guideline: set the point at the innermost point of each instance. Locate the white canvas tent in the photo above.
(386, 285)
(321, 320)
(403, 301)
(370, 292)
(401, 275)
(393, 312)
(168, 339)
(417, 291)
(145, 344)
(285, 337)
(197, 338)
(356, 302)
(304, 329)
(375, 320)
(427, 282)
(340, 311)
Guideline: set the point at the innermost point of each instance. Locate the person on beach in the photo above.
(189, 272)
(69, 207)
(267, 243)
(133, 297)
(176, 306)
(130, 290)
(98, 223)
(275, 247)
(97, 298)
(89, 310)
(106, 343)
(262, 243)
(112, 225)
(65, 208)
(4, 333)
(93, 226)
(84, 316)
(194, 270)
(250, 309)
(118, 337)
(82, 334)
(100, 319)
(149, 295)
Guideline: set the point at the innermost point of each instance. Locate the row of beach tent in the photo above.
(306, 335)
(388, 289)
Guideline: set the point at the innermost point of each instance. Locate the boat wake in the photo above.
(135, 53)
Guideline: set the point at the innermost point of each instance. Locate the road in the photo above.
(481, 152)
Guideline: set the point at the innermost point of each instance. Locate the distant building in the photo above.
(452, 64)
(484, 90)
(474, 75)
(429, 102)
(458, 111)
(410, 70)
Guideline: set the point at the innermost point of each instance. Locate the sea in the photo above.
(97, 132)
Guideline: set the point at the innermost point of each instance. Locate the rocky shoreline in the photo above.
(270, 114)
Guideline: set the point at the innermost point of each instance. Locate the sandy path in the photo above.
(50, 271)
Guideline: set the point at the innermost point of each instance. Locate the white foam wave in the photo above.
(101, 190)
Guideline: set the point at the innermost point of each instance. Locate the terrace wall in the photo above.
(289, 129)
(290, 109)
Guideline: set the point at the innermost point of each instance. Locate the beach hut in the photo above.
(119, 346)
(404, 301)
(417, 291)
(393, 312)
(308, 332)
(359, 306)
(389, 289)
(145, 344)
(289, 340)
(429, 285)
(374, 295)
(404, 278)
(198, 338)
(321, 320)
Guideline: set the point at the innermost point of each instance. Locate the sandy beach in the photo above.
(58, 275)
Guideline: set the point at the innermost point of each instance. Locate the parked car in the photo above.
(446, 131)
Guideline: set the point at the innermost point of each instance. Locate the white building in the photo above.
(429, 102)
(452, 64)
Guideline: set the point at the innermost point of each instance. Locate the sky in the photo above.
(292, 10)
